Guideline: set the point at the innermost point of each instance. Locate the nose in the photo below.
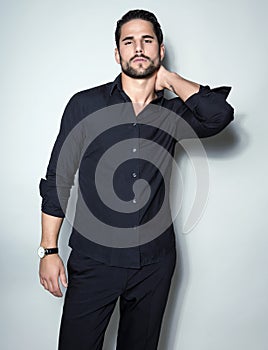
(139, 47)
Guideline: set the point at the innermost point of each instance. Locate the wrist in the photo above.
(49, 243)
(172, 79)
(44, 251)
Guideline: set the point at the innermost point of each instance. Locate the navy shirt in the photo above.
(112, 148)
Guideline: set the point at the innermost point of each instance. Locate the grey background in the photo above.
(50, 50)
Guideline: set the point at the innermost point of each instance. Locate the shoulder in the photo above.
(95, 92)
(87, 101)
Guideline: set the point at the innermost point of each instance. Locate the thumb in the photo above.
(63, 278)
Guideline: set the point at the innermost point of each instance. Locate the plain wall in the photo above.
(52, 49)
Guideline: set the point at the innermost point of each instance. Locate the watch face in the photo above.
(41, 252)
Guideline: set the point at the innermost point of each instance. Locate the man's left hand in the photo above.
(162, 78)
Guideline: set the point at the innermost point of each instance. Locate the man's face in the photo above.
(139, 53)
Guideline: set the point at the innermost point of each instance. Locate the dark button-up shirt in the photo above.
(112, 148)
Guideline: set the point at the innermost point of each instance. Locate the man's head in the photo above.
(139, 14)
(139, 41)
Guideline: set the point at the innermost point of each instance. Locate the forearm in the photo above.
(180, 86)
(208, 112)
(174, 82)
(50, 230)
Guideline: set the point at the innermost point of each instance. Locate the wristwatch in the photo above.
(42, 252)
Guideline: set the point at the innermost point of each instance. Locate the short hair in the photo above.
(139, 14)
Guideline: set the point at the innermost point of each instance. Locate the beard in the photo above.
(137, 73)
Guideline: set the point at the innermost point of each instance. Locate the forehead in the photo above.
(137, 27)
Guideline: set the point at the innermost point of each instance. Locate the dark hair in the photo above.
(139, 14)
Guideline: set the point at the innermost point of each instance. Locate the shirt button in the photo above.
(134, 174)
(134, 200)
(134, 150)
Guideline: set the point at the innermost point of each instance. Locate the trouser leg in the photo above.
(143, 303)
(93, 289)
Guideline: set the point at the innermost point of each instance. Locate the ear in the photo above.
(162, 51)
(117, 55)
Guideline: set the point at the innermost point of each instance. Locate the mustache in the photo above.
(138, 56)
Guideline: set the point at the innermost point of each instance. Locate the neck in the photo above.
(140, 91)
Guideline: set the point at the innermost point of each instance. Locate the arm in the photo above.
(55, 196)
(51, 267)
(205, 110)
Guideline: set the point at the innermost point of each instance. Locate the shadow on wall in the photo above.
(230, 143)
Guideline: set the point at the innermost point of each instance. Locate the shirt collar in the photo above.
(117, 84)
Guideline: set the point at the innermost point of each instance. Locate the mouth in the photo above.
(139, 59)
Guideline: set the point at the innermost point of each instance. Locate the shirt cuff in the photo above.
(204, 91)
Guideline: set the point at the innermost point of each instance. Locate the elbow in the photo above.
(219, 122)
(227, 116)
(224, 117)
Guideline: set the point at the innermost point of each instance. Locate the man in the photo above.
(138, 273)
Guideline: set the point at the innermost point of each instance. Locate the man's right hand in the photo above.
(51, 269)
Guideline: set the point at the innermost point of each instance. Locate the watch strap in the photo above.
(49, 251)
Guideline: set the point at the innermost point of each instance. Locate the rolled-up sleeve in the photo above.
(206, 112)
(49, 187)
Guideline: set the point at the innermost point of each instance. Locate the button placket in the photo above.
(135, 171)
(134, 150)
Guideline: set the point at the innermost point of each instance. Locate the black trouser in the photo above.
(93, 290)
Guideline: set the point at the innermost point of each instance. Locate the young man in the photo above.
(138, 274)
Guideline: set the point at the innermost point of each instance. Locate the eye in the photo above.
(148, 41)
(128, 42)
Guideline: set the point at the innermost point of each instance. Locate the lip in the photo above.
(140, 59)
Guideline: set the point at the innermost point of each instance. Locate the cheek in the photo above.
(155, 57)
(124, 54)
(153, 52)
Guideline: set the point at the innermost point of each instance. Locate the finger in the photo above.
(63, 278)
(54, 288)
(45, 284)
(42, 282)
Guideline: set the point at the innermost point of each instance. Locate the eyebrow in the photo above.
(147, 36)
